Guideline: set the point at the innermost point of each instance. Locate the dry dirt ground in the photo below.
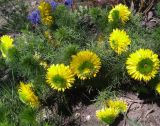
(144, 112)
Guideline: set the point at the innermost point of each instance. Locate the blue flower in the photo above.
(53, 4)
(68, 3)
(34, 17)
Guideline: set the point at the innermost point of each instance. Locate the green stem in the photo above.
(66, 103)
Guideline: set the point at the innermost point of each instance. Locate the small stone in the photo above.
(77, 115)
(151, 24)
(5, 77)
(150, 15)
(143, 23)
(88, 117)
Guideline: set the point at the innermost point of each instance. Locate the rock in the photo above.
(150, 15)
(88, 117)
(5, 77)
(151, 24)
(77, 115)
(44, 114)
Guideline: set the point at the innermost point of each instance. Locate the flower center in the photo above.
(145, 66)
(59, 81)
(115, 16)
(86, 66)
(115, 44)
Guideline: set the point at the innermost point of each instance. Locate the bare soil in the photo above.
(143, 112)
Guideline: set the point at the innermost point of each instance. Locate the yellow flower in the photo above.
(45, 9)
(60, 77)
(119, 41)
(45, 12)
(48, 20)
(85, 64)
(108, 115)
(121, 11)
(120, 105)
(158, 88)
(143, 64)
(6, 44)
(27, 95)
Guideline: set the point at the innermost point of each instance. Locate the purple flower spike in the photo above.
(53, 4)
(68, 3)
(34, 17)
